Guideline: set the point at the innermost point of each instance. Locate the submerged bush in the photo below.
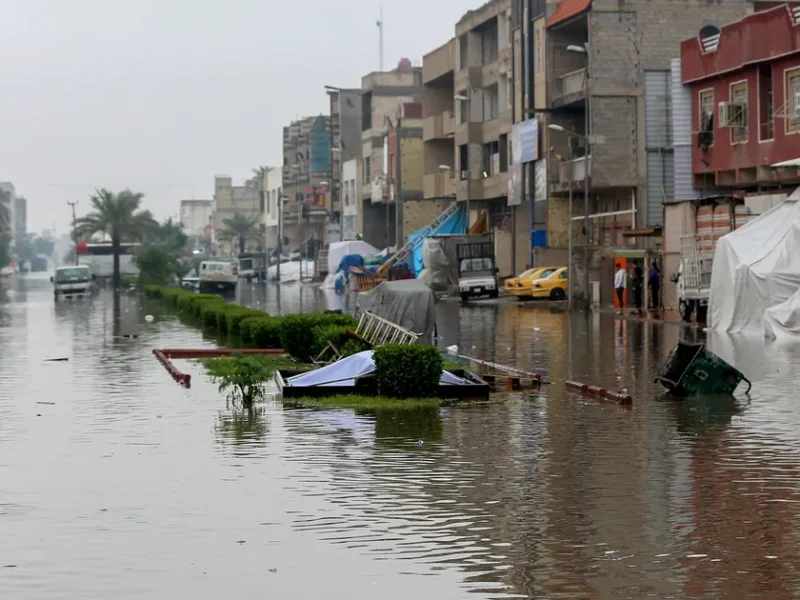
(408, 371)
(298, 332)
(265, 331)
(339, 336)
(241, 377)
(233, 315)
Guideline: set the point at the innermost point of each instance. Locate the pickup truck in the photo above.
(76, 280)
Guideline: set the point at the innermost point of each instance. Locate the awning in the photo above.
(794, 162)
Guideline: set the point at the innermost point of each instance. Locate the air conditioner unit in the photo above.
(464, 174)
(732, 114)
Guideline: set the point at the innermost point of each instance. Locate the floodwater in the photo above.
(117, 483)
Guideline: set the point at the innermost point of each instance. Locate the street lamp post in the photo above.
(463, 98)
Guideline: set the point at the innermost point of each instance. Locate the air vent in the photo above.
(709, 38)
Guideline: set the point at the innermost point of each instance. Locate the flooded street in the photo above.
(117, 483)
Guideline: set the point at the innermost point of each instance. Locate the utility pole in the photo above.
(74, 229)
(380, 39)
(398, 201)
(280, 236)
(587, 168)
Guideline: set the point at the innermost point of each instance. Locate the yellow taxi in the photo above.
(553, 286)
(516, 282)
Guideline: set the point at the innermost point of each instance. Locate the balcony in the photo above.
(568, 88)
(571, 175)
(439, 63)
(439, 185)
(439, 127)
(471, 77)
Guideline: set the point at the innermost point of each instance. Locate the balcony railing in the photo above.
(574, 171)
(570, 87)
(439, 127)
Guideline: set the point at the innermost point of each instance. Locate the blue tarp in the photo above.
(455, 225)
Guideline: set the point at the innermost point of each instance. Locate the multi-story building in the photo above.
(745, 102)
(383, 95)
(306, 173)
(272, 185)
(350, 194)
(230, 200)
(606, 68)
(20, 218)
(8, 197)
(197, 221)
(345, 136)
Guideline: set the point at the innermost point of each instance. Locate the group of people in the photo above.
(636, 274)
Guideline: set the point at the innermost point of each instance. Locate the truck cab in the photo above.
(477, 273)
(71, 281)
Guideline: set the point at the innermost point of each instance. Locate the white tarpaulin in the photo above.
(338, 250)
(408, 303)
(782, 321)
(756, 267)
(344, 373)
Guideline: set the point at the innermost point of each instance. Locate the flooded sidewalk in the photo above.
(116, 482)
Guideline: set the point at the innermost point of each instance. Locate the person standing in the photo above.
(619, 286)
(637, 287)
(654, 283)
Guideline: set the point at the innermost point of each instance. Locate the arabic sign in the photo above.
(525, 141)
(515, 185)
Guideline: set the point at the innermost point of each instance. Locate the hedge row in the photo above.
(408, 371)
(302, 336)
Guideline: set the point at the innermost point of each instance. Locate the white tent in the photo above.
(756, 267)
(782, 321)
(338, 250)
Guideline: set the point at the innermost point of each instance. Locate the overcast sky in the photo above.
(161, 95)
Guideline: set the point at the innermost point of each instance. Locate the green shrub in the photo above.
(266, 332)
(154, 291)
(338, 336)
(408, 371)
(246, 329)
(229, 319)
(241, 377)
(199, 300)
(297, 332)
(209, 313)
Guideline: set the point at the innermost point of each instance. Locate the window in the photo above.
(766, 130)
(793, 101)
(261, 201)
(367, 170)
(462, 51)
(504, 148)
(706, 118)
(738, 95)
(491, 159)
(491, 102)
(269, 201)
(463, 160)
(489, 42)
(463, 107)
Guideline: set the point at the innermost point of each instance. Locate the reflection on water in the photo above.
(126, 485)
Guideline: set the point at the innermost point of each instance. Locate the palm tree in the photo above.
(240, 228)
(5, 211)
(119, 217)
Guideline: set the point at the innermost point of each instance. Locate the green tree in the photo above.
(119, 217)
(159, 258)
(240, 228)
(5, 214)
(169, 234)
(5, 243)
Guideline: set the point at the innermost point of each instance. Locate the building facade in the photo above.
(306, 173)
(350, 191)
(197, 219)
(744, 83)
(272, 185)
(383, 95)
(8, 196)
(230, 200)
(606, 113)
(345, 134)
(20, 218)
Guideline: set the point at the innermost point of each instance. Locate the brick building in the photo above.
(613, 61)
(745, 91)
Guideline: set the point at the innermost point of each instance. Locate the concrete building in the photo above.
(197, 219)
(230, 200)
(306, 173)
(745, 102)
(345, 136)
(383, 95)
(20, 217)
(606, 69)
(272, 185)
(350, 195)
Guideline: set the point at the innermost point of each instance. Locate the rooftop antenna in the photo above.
(380, 39)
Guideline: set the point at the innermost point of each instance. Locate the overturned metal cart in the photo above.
(691, 369)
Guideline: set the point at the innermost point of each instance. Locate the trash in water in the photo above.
(149, 318)
(56, 359)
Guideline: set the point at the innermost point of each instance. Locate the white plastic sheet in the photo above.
(756, 267)
(782, 321)
(344, 373)
(291, 271)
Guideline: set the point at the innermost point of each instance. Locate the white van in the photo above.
(75, 280)
(218, 276)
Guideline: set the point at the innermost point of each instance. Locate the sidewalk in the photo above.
(669, 316)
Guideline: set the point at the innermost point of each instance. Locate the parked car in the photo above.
(524, 287)
(553, 287)
(515, 282)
